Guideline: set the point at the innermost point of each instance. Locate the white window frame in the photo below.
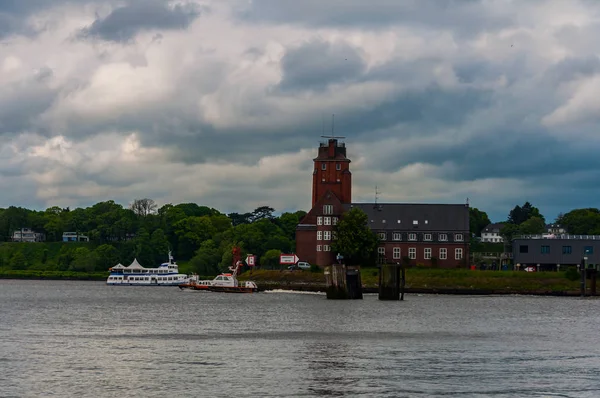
(319, 248)
(326, 220)
(397, 236)
(397, 253)
(334, 220)
(327, 209)
(326, 248)
(443, 237)
(427, 237)
(458, 253)
(326, 235)
(381, 250)
(412, 253)
(443, 253)
(427, 253)
(458, 237)
(412, 236)
(382, 235)
(319, 220)
(319, 235)
(333, 235)
(415, 222)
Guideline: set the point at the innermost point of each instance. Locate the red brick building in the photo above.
(425, 233)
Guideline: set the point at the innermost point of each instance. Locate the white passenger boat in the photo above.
(167, 274)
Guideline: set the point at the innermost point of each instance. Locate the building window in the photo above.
(318, 248)
(412, 236)
(415, 222)
(458, 237)
(381, 251)
(588, 250)
(458, 254)
(319, 235)
(333, 235)
(334, 220)
(545, 249)
(567, 250)
(381, 235)
(396, 253)
(327, 209)
(397, 236)
(323, 166)
(427, 253)
(443, 237)
(326, 248)
(319, 220)
(427, 237)
(443, 253)
(326, 220)
(338, 166)
(327, 235)
(523, 249)
(412, 253)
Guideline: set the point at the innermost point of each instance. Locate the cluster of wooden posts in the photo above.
(344, 282)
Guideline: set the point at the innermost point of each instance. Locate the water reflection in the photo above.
(329, 365)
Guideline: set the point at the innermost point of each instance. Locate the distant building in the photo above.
(424, 233)
(556, 229)
(491, 233)
(74, 237)
(546, 252)
(27, 235)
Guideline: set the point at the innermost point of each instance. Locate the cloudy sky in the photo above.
(222, 102)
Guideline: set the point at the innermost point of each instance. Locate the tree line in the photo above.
(204, 237)
(527, 220)
(198, 234)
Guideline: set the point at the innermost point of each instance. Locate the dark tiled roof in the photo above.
(430, 217)
(494, 227)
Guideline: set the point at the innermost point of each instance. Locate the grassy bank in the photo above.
(434, 281)
(450, 281)
(66, 275)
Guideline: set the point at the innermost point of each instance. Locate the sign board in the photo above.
(288, 259)
(251, 260)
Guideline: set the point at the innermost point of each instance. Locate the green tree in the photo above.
(270, 260)
(355, 240)
(18, 260)
(84, 260)
(106, 256)
(207, 259)
(581, 221)
(533, 226)
(519, 214)
(478, 220)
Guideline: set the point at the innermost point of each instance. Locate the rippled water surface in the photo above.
(86, 339)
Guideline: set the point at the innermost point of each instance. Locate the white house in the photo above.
(74, 237)
(27, 235)
(491, 233)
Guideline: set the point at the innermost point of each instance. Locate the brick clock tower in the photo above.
(331, 190)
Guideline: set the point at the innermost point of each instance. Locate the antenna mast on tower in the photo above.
(332, 136)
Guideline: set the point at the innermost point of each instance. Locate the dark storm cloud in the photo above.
(124, 22)
(317, 64)
(22, 102)
(463, 16)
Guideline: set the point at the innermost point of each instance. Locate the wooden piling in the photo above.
(343, 282)
(391, 282)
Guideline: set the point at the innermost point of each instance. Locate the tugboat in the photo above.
(224, 283)
(228, 283)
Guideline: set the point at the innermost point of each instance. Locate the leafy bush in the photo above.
(572, 274)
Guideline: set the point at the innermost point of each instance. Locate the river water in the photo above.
(86, 339)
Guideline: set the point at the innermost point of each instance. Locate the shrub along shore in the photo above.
(439, 281)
